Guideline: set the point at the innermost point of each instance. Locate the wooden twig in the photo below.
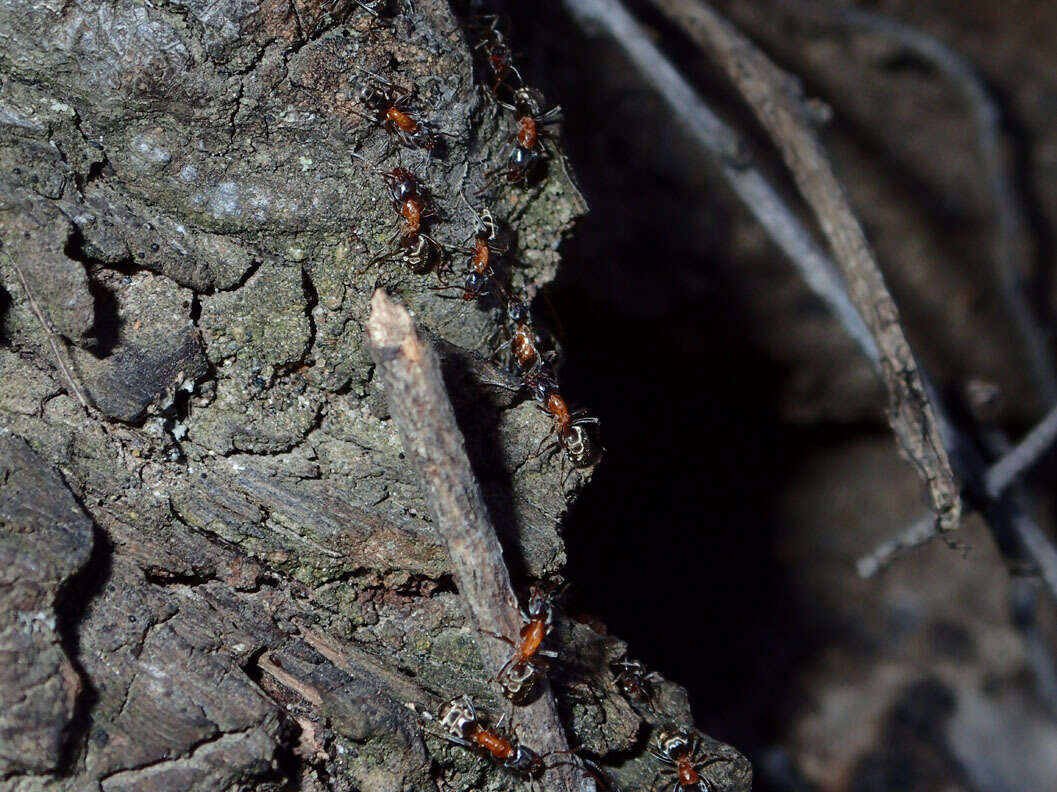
(775, 99)
(1011, 248)
(1010, 523)
(724, 144)
(410, 374)
(1024, 455)
(57, 342)
(996, 480)
(780, 222)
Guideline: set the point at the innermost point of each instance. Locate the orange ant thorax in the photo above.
(401, 119)
(532, 635)
(527, 133)
(557, 407)
(493, 743)
(481, 256)
(411, 211)
(688, 776)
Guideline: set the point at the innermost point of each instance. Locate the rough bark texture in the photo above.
(187, 239)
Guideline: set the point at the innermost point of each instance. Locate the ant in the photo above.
(572, 436)
(385, 100)
(518, 675)
(412, 202)
(527, 149)
(678, 750)
(481, 278)
(462, 727)
(500, 58)
(633, 680)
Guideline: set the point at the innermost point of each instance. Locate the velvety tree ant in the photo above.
(410, 199)
(570, 428)
(386, 100)
(527, 150)
(518, 675)
(634, 681)
(678, 750)
(481, 278)
(413, 204)
(498, 55)
(462, 727)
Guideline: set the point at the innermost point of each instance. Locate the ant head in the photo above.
(522, 160)
(402, 184)
(632, 679)
(517, 312)
(528, 101)
(540, 382)
(475, 284)
(525, 762)
(426, 139)
(374, 96)
(542, 596)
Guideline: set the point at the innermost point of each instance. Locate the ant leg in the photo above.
(500, 637)
(492, 174)
(495, 173)
(662, 758)
(551, 116)
(498, 384)
(540, 449)
(452, 739)
(712, 761)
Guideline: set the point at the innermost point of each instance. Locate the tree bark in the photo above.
(217, 569)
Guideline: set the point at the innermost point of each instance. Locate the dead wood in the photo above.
(775, 98)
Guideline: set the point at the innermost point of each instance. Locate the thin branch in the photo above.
(775, 99)
(996, 480)
(921, 531)
(1013, 528)
(1011, 246)
(780, 222)
(410, 374)
(57, 342)
(723, 143)
(1023, 456)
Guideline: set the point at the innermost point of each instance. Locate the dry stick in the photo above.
(410, 374)
(58, 344)
(996, 480)
(775, 99)
(1010, 253)
(780, 222)
(1011, 247)
(723, 143)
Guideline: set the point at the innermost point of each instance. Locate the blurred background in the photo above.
(748, 460)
